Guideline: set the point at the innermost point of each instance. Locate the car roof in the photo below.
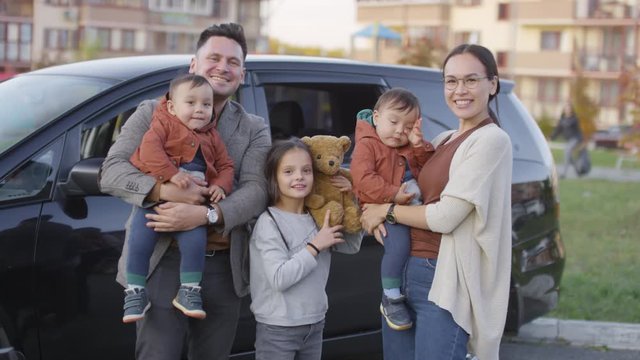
(124, 68)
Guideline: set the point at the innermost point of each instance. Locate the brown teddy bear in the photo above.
(327, 155)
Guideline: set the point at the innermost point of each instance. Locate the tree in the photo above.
(423, 52)
(585, 107)
(629, 82)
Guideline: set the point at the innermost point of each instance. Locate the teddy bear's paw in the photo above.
(314, 201)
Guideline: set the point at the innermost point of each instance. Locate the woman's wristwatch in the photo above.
(391, 217)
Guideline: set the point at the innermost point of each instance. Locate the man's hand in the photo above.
(173, 216)
(402, 197)
(192, 194)
(216, 193)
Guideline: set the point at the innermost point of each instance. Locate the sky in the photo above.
(319, 23)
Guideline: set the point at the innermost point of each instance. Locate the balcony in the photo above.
(598, 62)
(403, 13)
(546, 63)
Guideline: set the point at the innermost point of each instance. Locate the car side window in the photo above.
(34, 179)
(97, 140)
(307, 109)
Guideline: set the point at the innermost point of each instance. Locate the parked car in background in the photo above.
(611, 137)
(60, 238)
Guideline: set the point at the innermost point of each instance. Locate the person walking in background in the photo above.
(163, 332)
(182, 143)
(457, 278)
(290, 260)
(389, 153)
(569, 127)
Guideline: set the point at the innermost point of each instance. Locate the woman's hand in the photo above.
(328, 235)
(173, 216)
(373, 215)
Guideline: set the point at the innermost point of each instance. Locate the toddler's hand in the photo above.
(416, 137)
(216, 193)
(402, 197)
(181, 179)
(342, 183)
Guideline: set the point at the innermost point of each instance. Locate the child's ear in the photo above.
(376, 114)
(171, 107)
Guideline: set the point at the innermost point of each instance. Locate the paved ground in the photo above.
(611, 174)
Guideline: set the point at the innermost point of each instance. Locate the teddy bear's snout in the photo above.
(331, 163)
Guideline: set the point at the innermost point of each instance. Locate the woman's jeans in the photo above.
(434, 334)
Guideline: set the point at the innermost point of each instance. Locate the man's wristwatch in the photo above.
(212, 215)
(391, 217)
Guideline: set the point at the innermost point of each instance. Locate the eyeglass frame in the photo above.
(464, 81)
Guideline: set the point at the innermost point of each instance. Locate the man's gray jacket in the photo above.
(247, 140)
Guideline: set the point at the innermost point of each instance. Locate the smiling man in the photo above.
(162, 332)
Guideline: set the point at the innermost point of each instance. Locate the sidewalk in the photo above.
(611, 174)
(619, 336)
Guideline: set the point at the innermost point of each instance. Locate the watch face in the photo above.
(212, 214)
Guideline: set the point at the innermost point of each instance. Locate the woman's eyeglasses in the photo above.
(451, 83)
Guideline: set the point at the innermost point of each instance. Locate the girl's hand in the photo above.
(342, 183)
(216, 193)
(327, 236)
(416, 137)
(373, 215)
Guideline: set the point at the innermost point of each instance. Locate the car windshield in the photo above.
(31, 101)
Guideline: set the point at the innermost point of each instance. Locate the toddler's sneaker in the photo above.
(189, 301)
(136, 304)
(395, 313)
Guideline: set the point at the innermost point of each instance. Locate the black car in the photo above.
(60, 238)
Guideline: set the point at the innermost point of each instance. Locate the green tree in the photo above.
(423, 52)
(585, 107)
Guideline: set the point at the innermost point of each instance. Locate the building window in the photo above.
(128, 40)
(609, 93)
(104, 38)
(60, 39)
(468, 2)
(503, 11)
(172, 42)
(198, 7)
(549, 90)
(550, 40)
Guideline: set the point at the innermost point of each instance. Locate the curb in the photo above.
(619, 336)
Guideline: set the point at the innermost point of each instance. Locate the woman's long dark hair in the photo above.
(491, 67)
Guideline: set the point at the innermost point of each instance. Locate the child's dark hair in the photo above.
(194, 80)
(398, 99)
(485, 56)
(232, 31)
(275, 155)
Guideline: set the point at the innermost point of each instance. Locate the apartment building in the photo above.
(541, 44)
(36, 33)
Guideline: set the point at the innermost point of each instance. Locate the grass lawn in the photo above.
(600, 225)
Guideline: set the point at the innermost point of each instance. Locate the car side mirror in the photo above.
(83, 178)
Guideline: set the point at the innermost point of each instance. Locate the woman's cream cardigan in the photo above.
(474, 263)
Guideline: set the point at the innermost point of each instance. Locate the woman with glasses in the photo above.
(457, 279)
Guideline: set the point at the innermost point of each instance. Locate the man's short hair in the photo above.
(232, 31)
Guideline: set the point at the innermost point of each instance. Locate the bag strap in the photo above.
(278, 227)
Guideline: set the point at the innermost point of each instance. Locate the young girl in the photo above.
(388, 155)
(290, 260)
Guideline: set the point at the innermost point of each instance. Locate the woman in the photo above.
(457, 279)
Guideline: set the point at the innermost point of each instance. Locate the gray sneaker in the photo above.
(395, 313)
(189, 301)
(136, 304)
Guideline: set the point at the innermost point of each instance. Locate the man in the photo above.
(220, 55)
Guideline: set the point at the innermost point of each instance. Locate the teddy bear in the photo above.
(327, 154)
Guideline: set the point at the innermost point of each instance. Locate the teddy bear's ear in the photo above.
(345, 142)
(306, 140)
